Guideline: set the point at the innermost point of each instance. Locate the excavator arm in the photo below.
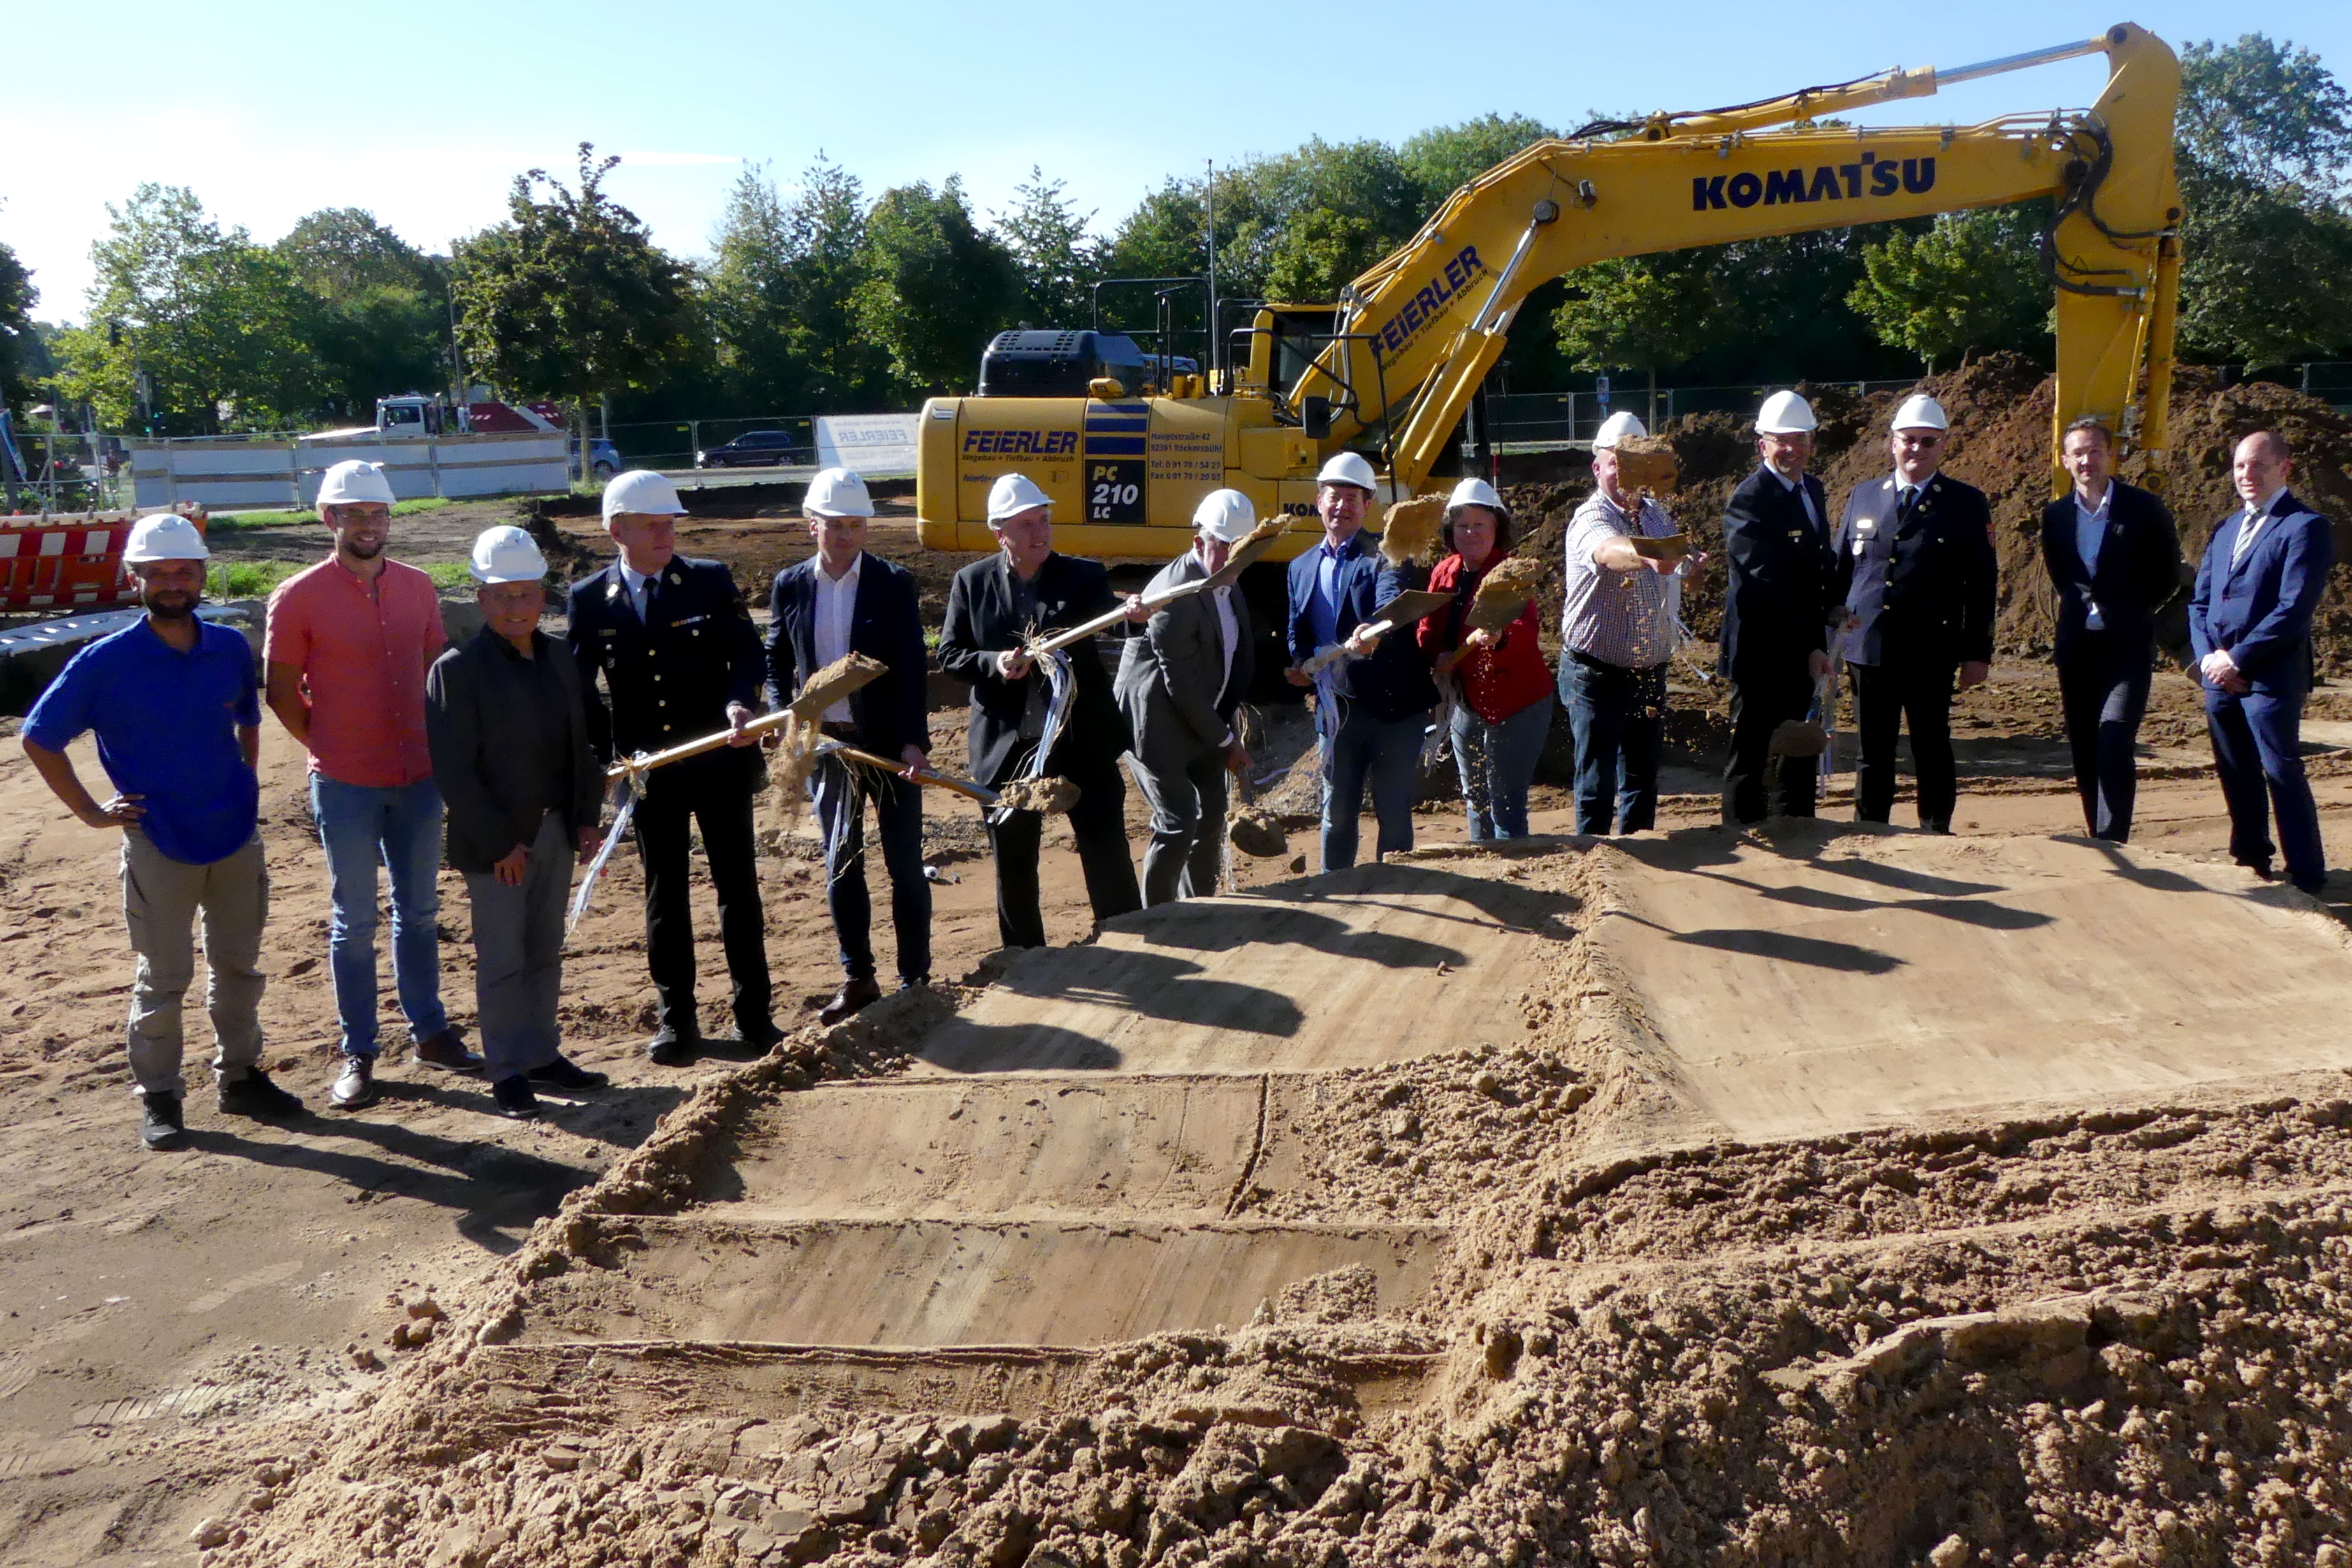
(1420, 330)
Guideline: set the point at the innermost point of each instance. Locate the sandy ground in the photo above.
(1323, 1102)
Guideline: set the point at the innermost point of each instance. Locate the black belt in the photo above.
(1596, 662)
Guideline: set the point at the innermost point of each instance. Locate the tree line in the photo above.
(815, 296)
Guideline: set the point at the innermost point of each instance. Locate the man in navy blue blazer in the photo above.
(1372, 707)
(2114, 557)
(838, 601)
(2250, 624)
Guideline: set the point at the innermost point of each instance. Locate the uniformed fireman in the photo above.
(678, 658)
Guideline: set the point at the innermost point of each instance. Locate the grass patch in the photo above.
(248, 579)
(245, 519)
(256, 579)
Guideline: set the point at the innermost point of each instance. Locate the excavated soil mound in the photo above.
(1459, 1298)
(2001, 410)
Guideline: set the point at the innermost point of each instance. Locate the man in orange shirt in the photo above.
(348, 644)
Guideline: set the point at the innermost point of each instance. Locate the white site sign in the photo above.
(870, 443)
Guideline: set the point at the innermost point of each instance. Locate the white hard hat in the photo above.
(1920, 412)
(163, 537)
(1348, 469)
(838, 492)
(351, 481)
(506, 555)
(1475, 493)
(1785, 414)
(1012, 494)
(1224, 515)
(1615, 428)
(642, 490)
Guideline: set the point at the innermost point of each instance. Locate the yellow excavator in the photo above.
(1389, 369)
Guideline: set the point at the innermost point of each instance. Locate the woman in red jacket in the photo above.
(1502, 702)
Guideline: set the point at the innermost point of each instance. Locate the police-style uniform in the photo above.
(669, 676)
(1776, 594)
(1916, 572)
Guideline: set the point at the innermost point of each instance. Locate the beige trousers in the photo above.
(163, 899)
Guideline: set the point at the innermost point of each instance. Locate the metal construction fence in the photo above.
(50, 471)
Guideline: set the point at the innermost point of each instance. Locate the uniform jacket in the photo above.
(885, 623)
(1928, 574)
(1780, 575)
(1173, 684)
(982, 621)
(469, 695)
(671, 681)
(1395, 682)
(2138, 574)
(2259, 612)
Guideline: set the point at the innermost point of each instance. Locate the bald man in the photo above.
(2250, 623)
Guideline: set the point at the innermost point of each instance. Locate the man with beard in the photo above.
(348, 644)
(179, 729)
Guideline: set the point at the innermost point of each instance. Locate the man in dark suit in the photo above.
(994, 607)
(1775, 611)
(2114, 557)
(679, 659)
(1372, 707)
(1179, 684)
(838, 601)
(1917, 575)
(2250, 624)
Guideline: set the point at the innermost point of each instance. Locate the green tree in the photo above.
(380, 311)
(1642, 312)
(213, 323)
(2263, 139)
(1971, 281)
(937, 288)
(749, 295)
(570, 298)
(1058, 259)
(1444, 158)
(19, 346)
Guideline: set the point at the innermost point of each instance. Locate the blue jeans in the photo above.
(1386, 753)
(363, 827)
(841, 798)
(1497, 763)
(1617, 716)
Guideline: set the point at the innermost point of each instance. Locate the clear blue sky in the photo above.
(422, 113)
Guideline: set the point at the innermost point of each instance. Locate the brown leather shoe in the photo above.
(447, 1051)
(853, 994)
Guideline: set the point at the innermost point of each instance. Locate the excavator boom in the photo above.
(1412, 338)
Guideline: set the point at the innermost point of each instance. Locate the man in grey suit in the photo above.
(1179, 684)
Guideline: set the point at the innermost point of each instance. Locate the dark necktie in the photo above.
(1910, 500)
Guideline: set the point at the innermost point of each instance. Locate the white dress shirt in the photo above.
(2090, 532)
(1228, 631)
(1803, 494)
(836, 601)
(634, 582)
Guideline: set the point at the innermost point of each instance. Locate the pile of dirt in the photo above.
(1729, 1355)
(2001, 407)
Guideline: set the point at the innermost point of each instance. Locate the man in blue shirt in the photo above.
(178, 717)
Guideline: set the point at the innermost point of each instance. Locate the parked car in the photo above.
(602, 456)
(752, 449)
